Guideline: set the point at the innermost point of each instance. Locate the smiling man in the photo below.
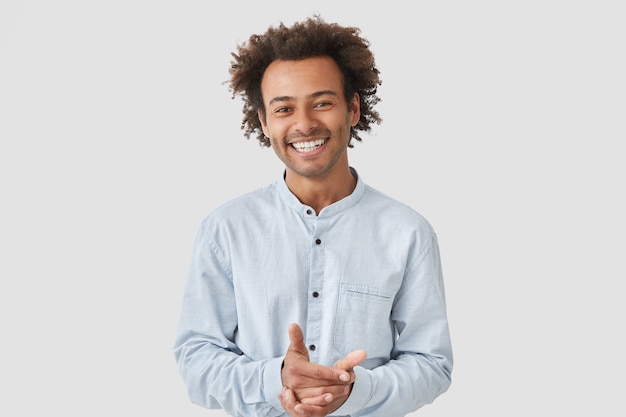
(308, 121)
(316, 295)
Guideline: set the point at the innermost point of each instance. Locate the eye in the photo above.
(323, 104)
(282, 109)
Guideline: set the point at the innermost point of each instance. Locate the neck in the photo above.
(323, 191)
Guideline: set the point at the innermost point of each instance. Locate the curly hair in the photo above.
(310, 38)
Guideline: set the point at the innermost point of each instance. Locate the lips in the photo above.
(308, 146)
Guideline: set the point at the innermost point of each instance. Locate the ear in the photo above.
(355, 109)
(261, 116)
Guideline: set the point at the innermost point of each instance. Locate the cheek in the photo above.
(275, 128)
(277, 150)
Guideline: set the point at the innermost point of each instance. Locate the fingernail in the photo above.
(344, 377)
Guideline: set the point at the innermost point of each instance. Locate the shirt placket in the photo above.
(316, 291)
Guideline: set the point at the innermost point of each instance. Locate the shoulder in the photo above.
(394, 211)
(249, 205)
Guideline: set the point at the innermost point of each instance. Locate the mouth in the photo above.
(308, 146)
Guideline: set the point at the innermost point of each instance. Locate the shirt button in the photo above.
(318, 241)
(312, 347)
(315, 294)
(309, 212)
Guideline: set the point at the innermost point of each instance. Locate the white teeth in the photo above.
(308, 146)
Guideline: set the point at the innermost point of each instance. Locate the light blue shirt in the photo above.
(363, 274)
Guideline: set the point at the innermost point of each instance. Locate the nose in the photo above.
(304, 121)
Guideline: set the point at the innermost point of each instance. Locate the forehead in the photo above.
(301, 78)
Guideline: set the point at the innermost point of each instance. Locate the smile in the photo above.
(305, 147)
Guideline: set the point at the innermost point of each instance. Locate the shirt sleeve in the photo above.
(216, 373)
(421, 365)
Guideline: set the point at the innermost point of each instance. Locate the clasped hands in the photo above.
(310, 389)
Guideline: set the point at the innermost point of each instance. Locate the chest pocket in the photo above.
(363, 320)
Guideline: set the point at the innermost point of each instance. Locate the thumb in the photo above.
(351, 360)
(296, 340)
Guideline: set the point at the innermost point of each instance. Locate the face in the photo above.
(307, 118)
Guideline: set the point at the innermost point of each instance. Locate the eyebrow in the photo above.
(314, 95)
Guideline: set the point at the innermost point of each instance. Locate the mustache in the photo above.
(311, 133)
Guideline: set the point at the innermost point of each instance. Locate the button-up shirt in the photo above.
(364, 273)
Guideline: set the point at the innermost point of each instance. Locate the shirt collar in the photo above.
(288, 197)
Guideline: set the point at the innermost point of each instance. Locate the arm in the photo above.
(216, 372)
(421, 363)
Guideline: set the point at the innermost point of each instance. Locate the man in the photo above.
(317, 294)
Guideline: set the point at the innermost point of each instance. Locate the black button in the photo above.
(312, 347)
(316, 294)
(318, 241)
(309, 211)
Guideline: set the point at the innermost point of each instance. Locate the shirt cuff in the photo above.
(272, 382)
(361, 392)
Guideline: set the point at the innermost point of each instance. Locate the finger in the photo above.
(288, 401)
(307, 374)
(294, 408)
(322, 395)
(351, 360)
(319, 391)
(306, 410)
(296, 340)
(321, 400)
(298, 371)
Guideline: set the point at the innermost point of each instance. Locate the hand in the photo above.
(299, 372)
(311, 389)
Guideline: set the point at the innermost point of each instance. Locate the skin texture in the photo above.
(304, 102)
(315, 390)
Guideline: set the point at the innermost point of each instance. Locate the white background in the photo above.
(504, 125)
